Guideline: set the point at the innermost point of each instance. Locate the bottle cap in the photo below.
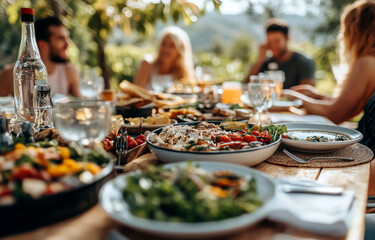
(27, 15)
(27, 11)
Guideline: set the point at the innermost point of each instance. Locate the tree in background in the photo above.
(94, 20)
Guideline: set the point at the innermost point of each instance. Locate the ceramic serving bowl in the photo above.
(247, 157)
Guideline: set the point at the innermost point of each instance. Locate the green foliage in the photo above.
(92, 21)
(124, 60)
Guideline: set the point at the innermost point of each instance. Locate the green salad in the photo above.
(189, 194)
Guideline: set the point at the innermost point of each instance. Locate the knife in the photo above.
(313, 190)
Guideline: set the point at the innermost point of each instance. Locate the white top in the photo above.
(160, 83)
(58, 80)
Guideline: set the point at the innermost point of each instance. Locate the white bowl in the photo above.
(113, 203)
(247, 157)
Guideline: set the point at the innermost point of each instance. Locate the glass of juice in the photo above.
(232, 92)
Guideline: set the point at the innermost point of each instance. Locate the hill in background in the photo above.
(224, 28)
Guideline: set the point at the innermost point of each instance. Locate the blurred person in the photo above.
(173, 64)
(53, 40)
(357, 93)
(298, 69)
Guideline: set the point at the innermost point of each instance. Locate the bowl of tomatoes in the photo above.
(233, 142)
(136, 146)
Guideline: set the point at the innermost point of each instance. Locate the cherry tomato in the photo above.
(24, 171)
(236, 145)
(132, 143)
(224, 138)
(141, 137)
(234, 137)
(255, 133)
(265, 137)
(284, 136)
(139, 141)
(249, 138)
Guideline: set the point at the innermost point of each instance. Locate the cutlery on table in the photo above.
(301, 160)
(121, 147)
(314, 190)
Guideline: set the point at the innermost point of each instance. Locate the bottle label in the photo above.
(43, 97)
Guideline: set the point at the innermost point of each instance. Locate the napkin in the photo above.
(289, 117)
(318, 213)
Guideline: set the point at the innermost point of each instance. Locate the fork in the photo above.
(300, 160)
(121, 147)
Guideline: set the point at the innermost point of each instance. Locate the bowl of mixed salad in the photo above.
(189, 199)
(42, 183)
(233, 142)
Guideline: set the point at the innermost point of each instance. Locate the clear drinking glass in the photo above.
(91, 83)
(261, 95)
(278, 76)
(82, 121)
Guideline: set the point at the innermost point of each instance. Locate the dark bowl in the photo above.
(34, 213)
(134, 112)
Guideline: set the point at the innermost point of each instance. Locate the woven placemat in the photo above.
(359, 152)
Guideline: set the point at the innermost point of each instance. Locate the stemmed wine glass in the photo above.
(82, 121)
(91, 83)
(261, 90)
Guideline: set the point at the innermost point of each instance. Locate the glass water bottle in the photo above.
(28, 68)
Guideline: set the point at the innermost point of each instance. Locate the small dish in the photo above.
(303, 130)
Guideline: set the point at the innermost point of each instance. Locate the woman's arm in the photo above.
(143, 75)
(357, 89)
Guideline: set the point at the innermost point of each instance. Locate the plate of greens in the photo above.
(319, 138)
(189, 199)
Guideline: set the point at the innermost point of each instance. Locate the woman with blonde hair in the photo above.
(173, 64)
(357, 47)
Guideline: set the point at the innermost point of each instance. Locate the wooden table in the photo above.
(95, 224)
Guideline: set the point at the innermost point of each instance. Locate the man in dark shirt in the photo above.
(298, 68)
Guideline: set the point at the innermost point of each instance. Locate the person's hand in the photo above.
(289, 94)
(307, 90)
(263, 50)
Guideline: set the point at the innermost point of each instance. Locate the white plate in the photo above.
(247, 157)
(277, 105)
(111, 200)
(320, 147)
